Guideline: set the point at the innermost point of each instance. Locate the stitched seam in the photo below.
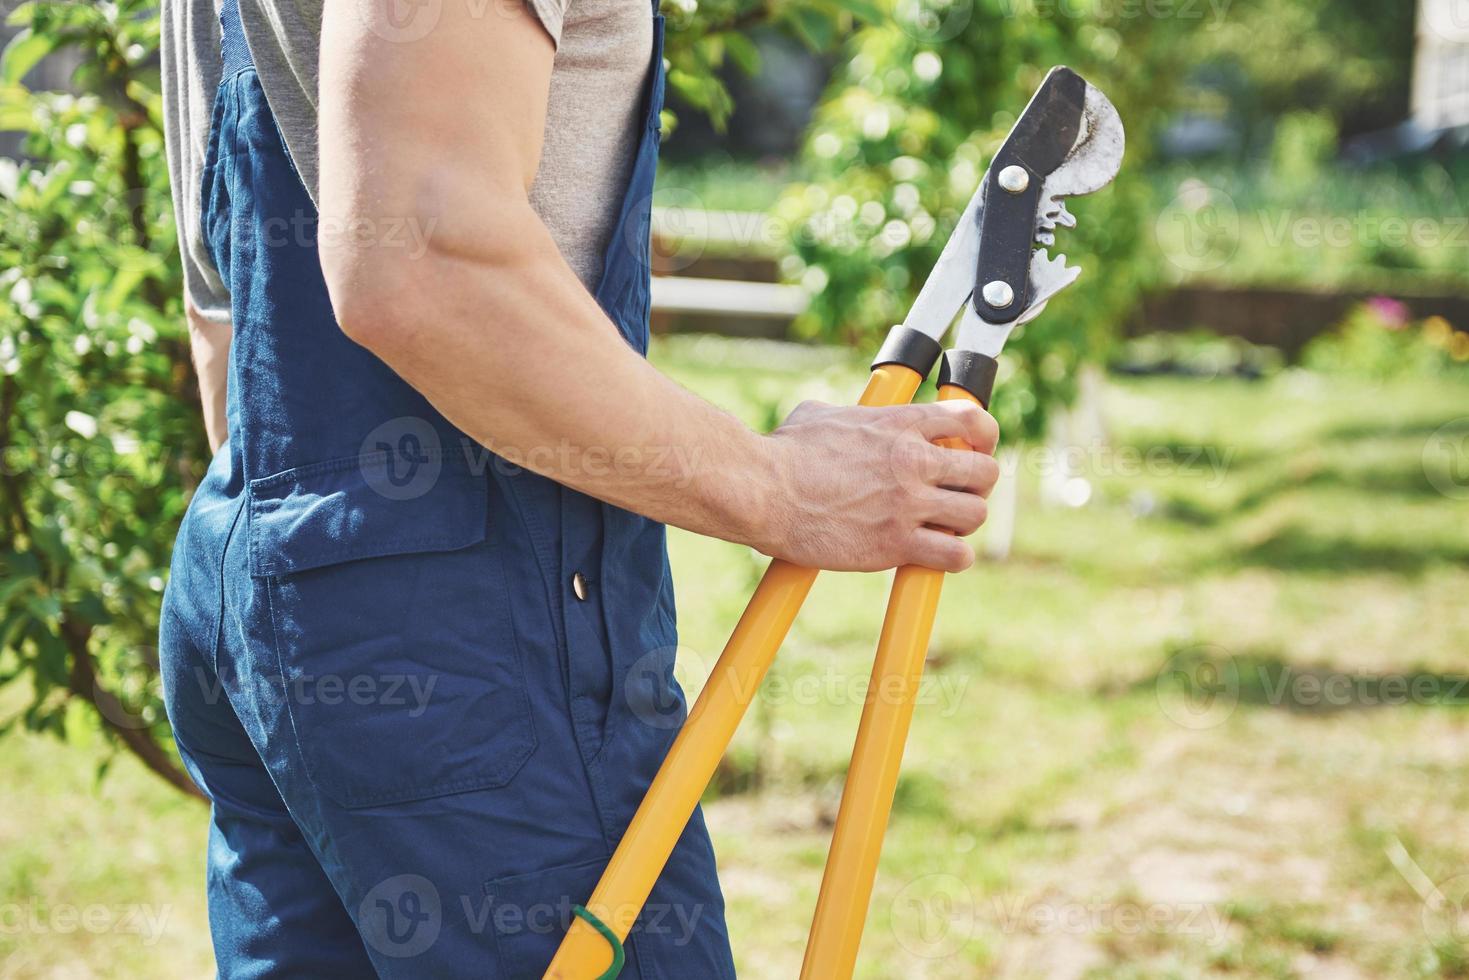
(277, 566)
(296, 473)
(223, 558)
(265, 564)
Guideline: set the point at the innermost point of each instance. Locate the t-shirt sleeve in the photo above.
(191, 71)
(551, 14)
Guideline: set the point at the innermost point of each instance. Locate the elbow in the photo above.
(367, 295)
(386, 298)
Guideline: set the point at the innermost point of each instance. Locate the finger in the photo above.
(962, 513)
(961, 469)
(960, 420)
(939, 550)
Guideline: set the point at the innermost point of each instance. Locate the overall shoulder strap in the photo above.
(233, 49)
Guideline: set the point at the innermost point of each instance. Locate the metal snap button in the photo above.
(579, 586)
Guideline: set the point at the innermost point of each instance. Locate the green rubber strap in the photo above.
(618, 957)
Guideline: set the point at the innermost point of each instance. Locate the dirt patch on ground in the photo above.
(1163, 869)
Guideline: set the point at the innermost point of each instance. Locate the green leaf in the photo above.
(22, 16)
(44, 608)
(16, 109)
(864, 10)
(129, 274)
(817, 30)
(52, 661)
(744, 52)
(89, 609)
(12, 587)
(22, 54)
(47, 539)
(19, 563)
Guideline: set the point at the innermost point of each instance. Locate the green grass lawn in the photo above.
(1166, 737)
(1393, 228)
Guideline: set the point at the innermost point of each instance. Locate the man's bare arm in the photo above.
(209, 342)
(491, 324)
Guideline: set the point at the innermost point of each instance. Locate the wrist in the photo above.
(746, 495)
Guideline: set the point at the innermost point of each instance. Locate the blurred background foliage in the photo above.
(99, 413)
(895, 151)
(1350, 60)
(908, 100)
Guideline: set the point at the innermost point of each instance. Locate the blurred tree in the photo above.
(100, 426)
(1304, 145)
(1352, 59)
(907, 129)
(706, 34)
(99, 416)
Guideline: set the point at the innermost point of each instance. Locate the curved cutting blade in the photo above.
(1093, 162)
(1066, 107)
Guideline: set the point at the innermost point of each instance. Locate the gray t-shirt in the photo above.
(602, 57)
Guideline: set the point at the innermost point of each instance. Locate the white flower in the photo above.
(82, 424)
(927, 66)
(814, 280)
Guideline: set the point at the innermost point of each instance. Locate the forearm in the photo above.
(490, 324)
(209, 345)
(510, 347)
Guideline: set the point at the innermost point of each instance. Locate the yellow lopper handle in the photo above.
(585, 953)
(872, 778)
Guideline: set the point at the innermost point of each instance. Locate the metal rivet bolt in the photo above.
(1014, 179)
(998, 294)
(579, 586)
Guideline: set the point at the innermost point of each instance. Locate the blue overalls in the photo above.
(424, 689)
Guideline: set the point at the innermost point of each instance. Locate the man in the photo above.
(420, 622)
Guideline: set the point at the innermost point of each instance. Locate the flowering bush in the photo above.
(1380, 339)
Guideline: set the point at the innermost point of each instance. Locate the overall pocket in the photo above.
(393, 632)
(532, 912)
